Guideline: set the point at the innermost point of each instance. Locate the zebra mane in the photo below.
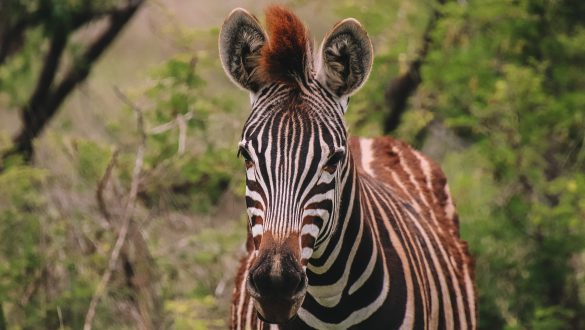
(286, 56)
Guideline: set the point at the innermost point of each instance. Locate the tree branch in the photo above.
(30, 113)
(402, 87)
(102, 185)
(2, 317)
(182, 123)
(38, 113)
(126, 218)
(12, 37)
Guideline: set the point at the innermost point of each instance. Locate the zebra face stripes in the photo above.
(294, 161)
(292, 158)
(293, 144)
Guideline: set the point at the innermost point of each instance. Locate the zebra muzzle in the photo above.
(277, 283)
(275, 309)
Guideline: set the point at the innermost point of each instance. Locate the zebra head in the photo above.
(294, 143)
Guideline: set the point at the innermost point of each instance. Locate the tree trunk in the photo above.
(49, 95)
(402, 87)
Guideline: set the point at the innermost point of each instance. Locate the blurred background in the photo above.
(121, 200)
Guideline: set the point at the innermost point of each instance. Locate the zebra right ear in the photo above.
(346, 58)
(240, 44)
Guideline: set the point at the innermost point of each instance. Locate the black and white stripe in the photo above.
(370, 257)
(344, 232)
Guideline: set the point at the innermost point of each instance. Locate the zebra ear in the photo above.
(346, 58)
(240, 43)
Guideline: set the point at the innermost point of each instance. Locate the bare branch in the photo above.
(129, 308)
(33, 285)
(102, 185)
(182, 123)
(60, 315)
(137, 110)
(126, 217)
(163, 128)
(171, 124)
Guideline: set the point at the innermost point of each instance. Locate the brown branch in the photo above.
(13, 37)
(126, 218)
(36, 115)
(39, 95)
(130, 308)
(402, 87)
(133, 255)
(137, 110)
(102, 185)
(33, 285)
(171, 124)
(140, 279)
(30, 113)
(2, 317)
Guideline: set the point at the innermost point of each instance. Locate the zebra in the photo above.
(343, 232)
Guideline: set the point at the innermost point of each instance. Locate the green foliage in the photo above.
(92, 159)
(56, 242)
(504, 77)
(521, 108)
(18, 74)
(21, 258)
(21, 228)
(193, 178)
(193, 305)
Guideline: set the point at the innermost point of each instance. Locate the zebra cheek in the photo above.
(257, 231)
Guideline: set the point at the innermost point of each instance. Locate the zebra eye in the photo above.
(245, 155)
(331, 164)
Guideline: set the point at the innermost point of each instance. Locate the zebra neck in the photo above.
(351, 271)
(348, 259)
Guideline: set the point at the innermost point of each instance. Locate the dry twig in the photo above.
(171, 124)
(182, 123)
(126, 217)
(102, 185)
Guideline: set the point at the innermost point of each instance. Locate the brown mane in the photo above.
(286, 55)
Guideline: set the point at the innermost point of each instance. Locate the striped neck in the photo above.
(348, 257)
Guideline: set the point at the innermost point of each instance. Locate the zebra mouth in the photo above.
(277, 311)
(276, 280)
(278, 307)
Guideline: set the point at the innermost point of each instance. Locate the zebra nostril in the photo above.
(301, 288)
(252, 288)
(289, 284)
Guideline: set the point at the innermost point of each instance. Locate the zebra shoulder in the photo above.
(410, 174)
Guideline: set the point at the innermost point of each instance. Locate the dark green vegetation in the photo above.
(496, 95)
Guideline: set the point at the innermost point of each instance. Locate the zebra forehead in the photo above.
(293, 115)
(287, 136)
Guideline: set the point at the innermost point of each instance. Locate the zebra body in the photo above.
(344, 232)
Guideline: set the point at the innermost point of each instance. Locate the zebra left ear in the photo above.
(346, 58)
(240, 44)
